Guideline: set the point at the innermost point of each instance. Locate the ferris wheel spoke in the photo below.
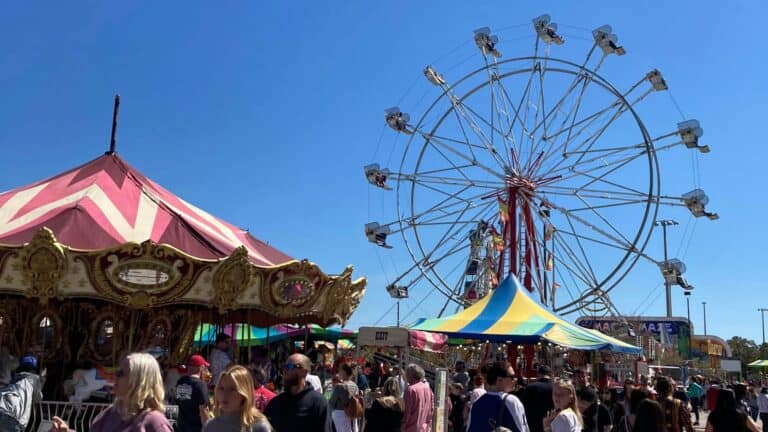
(603, 206)
(461, 108)
(619, 247)
(435, 143)
(489, 144)
(443, 206)
(571, 216)
(453, 165)
(591, 140)
(593, 209)
(595, 193)
(573, 264)
(497, 111)
(502, 112)
(541, 108)
(449, 181)
(582, 250)
(454, 229)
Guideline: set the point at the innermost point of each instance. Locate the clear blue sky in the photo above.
(264, 113)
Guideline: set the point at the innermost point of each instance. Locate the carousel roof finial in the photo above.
(112, 142)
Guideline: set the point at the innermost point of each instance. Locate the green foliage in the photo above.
(746, 350)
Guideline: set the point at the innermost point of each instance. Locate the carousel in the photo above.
(100, 260)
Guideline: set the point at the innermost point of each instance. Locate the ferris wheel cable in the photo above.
(459, 245)
(651, 293)
(461, 108)
(624, 108)
(378, 142)
(690, 239)
(581, 248)
(683, 237)
(621, 162)
(494, 105)
(446, 204)
(601, 217)
(461, 155)
(450, 162)
(619, 102)
(599, 193)
(615, 246)
(449, 234)
(570, 216)
(601, 206)
(446, 181)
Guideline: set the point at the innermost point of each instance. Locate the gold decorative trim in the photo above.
(232, 277)
(343, 297)
(110, 273)
(43, 265)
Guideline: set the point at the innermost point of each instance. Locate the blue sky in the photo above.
(264, 113)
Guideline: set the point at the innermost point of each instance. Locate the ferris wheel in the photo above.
(535, 166)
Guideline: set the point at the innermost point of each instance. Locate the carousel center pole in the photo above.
(112, 140)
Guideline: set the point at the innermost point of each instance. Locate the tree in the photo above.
(745, 350)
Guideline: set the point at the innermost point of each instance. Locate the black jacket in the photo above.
(537, 400)
(305, 411)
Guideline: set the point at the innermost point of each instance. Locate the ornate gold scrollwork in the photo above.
(142, 275)
(43, 265)
(231, 278)
(292, 290)
(342, 298)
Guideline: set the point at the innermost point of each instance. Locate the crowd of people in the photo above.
(222, 396)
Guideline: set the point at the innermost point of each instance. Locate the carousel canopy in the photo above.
(508, 314)
(106, 203)
(103, 231)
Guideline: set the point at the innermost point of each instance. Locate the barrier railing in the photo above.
(78, 415)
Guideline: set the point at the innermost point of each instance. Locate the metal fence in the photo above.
(78, 415)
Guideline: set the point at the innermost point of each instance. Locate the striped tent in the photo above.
(508, 314)
(206, 333)
(758, 364)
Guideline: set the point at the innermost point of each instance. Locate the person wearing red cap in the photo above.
(191, 396)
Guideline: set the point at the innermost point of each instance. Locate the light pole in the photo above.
(688, 304)
(705, 317)
(762, 316)
(667, 283)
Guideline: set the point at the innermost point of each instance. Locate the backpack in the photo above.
(355, 407)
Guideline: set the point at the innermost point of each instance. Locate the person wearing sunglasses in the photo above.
(138, 404)
(299, 407)
(498, 408)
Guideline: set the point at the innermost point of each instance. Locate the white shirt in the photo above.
(515, 408)
(566, 421)
(314, 381)
(762, 402)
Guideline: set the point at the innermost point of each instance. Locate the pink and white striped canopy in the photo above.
(106, 202)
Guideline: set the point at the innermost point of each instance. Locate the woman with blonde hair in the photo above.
(565, 417)
(234, 409)
(386, 412)
(138, 404)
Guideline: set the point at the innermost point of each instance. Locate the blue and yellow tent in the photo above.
(508, 314)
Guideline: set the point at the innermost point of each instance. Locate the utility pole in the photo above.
(762, 315)
(705, 317)
(667, 284)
